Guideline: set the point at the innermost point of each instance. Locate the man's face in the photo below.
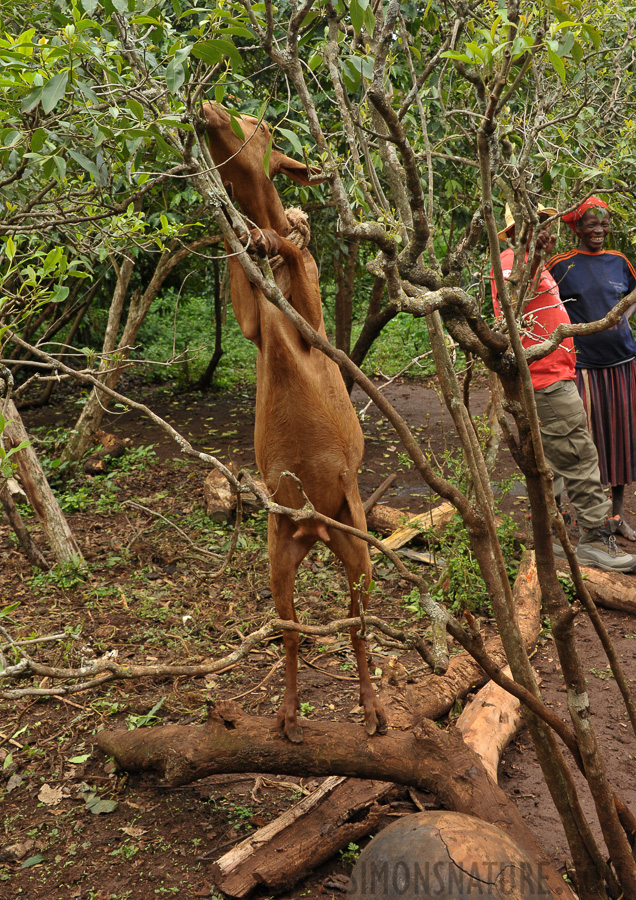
(592, 229)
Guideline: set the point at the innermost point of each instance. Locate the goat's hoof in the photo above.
(371, 728)
(294, 733)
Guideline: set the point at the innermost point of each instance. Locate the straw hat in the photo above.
(544, 212)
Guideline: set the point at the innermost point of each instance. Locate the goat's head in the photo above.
(240, 163)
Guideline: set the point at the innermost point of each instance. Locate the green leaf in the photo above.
(52, 259)
(267, 156)
(175, 75)
(10, 247)
(32, 861)
(60, 293)
(577, 52)
(136, 109)
(53, 91)
(85, 163)
(454, 54)
(88, 92)
(77, 760)
(165, 147)
(10, 138)
(357, 15)
(557, 64)
(369, 21)
(212, 52)
(292, 138)
(32, 99)
(593, 34)
(236, 126)
(7, 611)
(8, 760)
(37, 140)
(60, 165)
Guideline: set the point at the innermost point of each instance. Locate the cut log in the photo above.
(428, 759)
(489, 722)
(384, 518)
(37, 489)
(286, 850)
(112, 447)
(15, 490)
(611, 590)
(220, 500)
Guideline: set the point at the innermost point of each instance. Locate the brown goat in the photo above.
(305, 423)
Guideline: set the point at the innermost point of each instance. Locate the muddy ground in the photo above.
(151, 597)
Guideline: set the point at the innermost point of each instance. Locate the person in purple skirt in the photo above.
(591, 281)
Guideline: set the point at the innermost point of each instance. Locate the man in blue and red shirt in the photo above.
(568, 447)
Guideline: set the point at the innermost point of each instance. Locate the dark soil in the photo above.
(152, 597)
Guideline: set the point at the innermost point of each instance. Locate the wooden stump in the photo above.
(38, 490)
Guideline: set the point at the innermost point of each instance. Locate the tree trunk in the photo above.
(206, 379)
(33, 552)
(40, 495)
(375, 320)
(97, 403)
(345, 274)
(428, 759)
(91, 416)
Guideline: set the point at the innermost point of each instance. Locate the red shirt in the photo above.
(543, 313)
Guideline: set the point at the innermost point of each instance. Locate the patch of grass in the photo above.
(66, 576)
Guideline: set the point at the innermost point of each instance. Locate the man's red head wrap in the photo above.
(591, 203)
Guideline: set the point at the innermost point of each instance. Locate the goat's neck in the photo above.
(265, 209)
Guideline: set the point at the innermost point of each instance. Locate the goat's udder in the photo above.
(315, 529)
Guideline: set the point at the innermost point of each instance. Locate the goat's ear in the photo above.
(292, 168)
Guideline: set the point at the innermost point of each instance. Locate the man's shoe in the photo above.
(617, 525)
(598, 548)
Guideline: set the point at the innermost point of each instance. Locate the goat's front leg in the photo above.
(285, 555)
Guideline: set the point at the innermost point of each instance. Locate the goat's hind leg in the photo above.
(285, 555)
(355, 557)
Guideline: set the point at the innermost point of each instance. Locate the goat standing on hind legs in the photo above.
(305, 423)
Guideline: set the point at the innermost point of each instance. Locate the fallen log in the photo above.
(489, 722)
(610, 590)
(386, 519)
(428, 759)
(286, 850)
